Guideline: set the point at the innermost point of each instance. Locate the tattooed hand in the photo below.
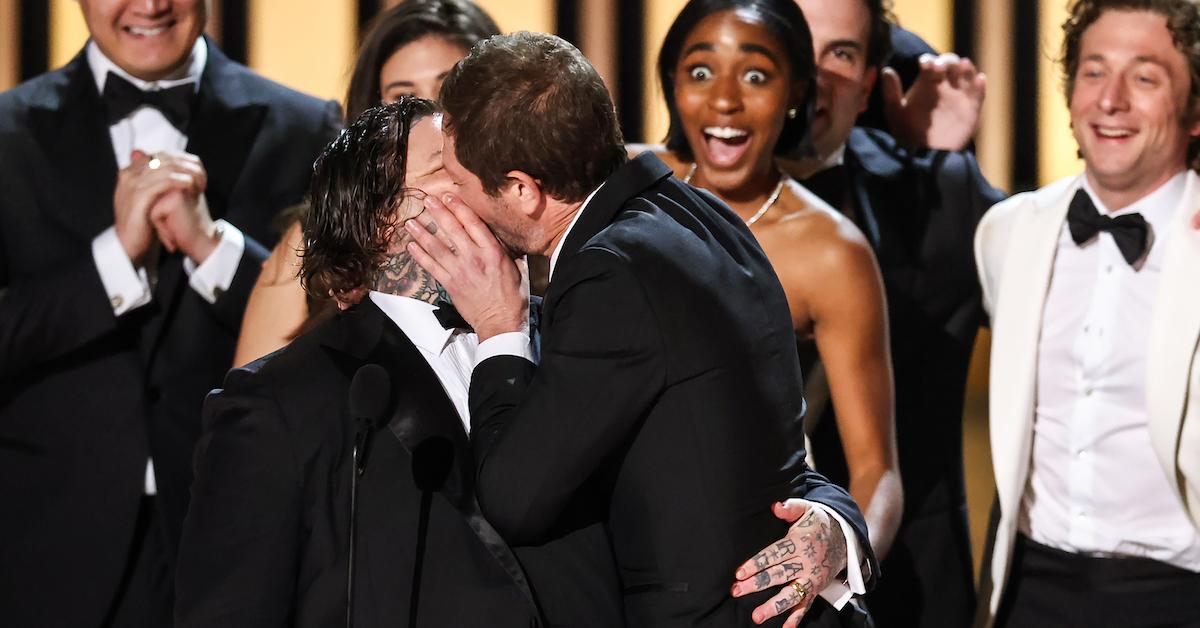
(812, 554)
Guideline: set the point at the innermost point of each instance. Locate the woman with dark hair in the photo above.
(738, 78)
(407, 51)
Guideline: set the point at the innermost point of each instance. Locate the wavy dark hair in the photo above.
(547, 113)
(1183, 22)
(784, 20)
(357, 185)
(459, 21)
(879, 35)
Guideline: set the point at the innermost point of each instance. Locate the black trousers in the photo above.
(1050, 587)
(145, 596)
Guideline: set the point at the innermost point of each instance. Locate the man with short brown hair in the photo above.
(1095, 375)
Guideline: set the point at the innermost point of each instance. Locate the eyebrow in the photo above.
(705, 46)
(762, 50)
(844, 43)
(398, 84)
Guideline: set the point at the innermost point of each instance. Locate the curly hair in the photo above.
(357, 185)
(1183, 21)
(547, 113)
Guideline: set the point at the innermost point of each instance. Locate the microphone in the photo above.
(370, 392)
(432, 460)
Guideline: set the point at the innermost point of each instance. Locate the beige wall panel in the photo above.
(994, 39)
(1057, 157)
(305, 44)
(521, 15)
(933, 20)
(68, 32)
(10, 43)
(659, 15)
(599, 36)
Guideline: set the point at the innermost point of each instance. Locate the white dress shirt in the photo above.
(1095, 485)
(518, 343)
(146, 129)
(449, 352)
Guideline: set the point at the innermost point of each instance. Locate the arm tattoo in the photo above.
(400, 275)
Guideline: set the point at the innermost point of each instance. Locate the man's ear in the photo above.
(524, 193)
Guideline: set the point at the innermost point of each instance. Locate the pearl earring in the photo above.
(792, 113)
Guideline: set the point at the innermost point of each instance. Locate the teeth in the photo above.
(1104, 132)
(147, 32)
(725, 132)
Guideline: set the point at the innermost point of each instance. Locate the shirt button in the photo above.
(1087, 392)
(1087, 328)
(1108, 269)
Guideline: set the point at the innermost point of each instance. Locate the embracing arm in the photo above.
(538, 439)
(238, 552)
(850, 324)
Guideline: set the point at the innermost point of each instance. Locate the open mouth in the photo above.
(149, 31)
(725, 146)
(1112, 132)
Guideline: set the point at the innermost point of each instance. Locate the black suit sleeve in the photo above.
(537, 442)
(45, 316)
(238, 554)
(231, 304)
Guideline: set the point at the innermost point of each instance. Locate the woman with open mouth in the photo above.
(738, 77)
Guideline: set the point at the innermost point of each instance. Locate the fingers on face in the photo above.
(472, 225)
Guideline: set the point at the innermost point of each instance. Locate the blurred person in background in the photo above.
(738, 74)
(407, 51)
(918, 210)
(139, 184)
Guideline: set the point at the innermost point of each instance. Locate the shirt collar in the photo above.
(101, 65)
(836, 158)
(563, 240)
(1156, 207)
(415, 318)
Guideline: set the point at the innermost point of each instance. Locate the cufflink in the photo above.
(217, 292)
(116, 301)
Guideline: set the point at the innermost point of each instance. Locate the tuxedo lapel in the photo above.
(224, 125)
(421, 411)
(1174, 335)
(628, 181)
(70, 126)
(1016, 329)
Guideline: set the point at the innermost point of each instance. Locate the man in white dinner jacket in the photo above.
(1093, 287)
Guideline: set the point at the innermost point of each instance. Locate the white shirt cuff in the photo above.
(212, 278)
(127, 288)
(839, 593)
(511, 343)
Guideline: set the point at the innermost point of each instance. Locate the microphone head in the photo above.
(431, 462)
(370, 392)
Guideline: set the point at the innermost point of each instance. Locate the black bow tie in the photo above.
(1129, 231)
(449, 317)
(121, 98)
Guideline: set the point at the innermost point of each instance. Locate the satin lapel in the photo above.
(424, 411)
(1016, 330)
(1174, 335)
(628, 181)
(69, 125)
(222, 133)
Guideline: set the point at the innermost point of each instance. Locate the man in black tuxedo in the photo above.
(667, 400)
(266, 542)
(919, 209)
(140, 181)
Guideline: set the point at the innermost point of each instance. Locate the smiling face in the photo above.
(1128, 105)
(841, 31)
(418, 68)
(150, 39)
(733, 88)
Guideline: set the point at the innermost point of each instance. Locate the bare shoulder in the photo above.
(821, 238)
(283, 265)
(677, 165)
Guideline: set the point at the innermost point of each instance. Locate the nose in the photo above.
(725, 95)
(1114, 96)
(152, 7)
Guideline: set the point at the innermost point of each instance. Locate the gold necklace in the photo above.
(762, 211)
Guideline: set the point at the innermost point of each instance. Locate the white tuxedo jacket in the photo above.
(1015, 246)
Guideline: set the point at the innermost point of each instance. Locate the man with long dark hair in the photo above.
(357, 429)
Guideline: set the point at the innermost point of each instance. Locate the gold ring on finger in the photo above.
(800, 589)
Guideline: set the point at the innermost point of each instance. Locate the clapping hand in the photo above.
(806, 561)
(941, 108)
